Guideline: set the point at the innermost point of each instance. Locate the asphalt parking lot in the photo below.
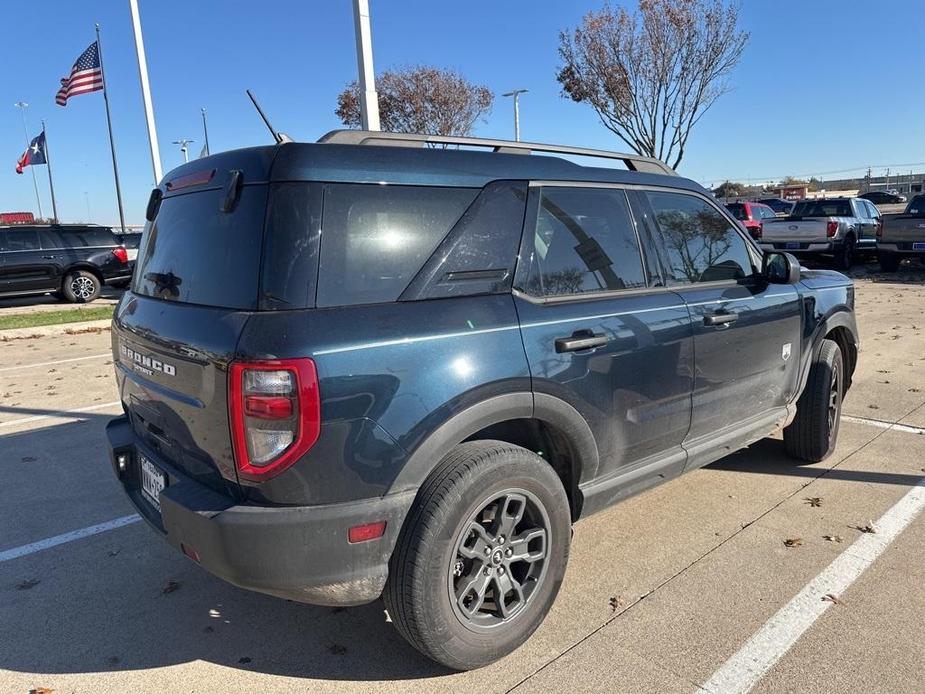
(690, 585)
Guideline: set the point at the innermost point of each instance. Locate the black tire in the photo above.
(889, 262)
(813, 433)
(844, 259)
(433, 561)
(80, 286)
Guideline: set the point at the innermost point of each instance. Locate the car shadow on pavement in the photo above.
(123, 600)
(768, 457)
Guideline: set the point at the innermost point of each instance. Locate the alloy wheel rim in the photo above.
(82, 287)
(499, 560)
(834, 403)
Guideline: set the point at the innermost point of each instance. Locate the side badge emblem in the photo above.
(785, 352)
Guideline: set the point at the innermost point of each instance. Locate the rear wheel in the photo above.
(889, 262)
(844, 258)
(813, 433)
(482, 555)
(80, 286)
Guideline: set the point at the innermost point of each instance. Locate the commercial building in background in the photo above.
(16, 218)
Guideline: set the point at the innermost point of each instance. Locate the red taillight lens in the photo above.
(121, 255)
(831, 228)
(275, 412)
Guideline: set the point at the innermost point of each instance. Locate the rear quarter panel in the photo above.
(389, 375)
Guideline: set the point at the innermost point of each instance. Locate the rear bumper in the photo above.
(798, 247)
(902, 247)
(299, 553)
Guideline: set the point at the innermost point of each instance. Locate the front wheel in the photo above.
(481, 556)
(812, 434)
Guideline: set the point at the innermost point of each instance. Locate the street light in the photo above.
(22, 106)
(183, 148)
(516, 94)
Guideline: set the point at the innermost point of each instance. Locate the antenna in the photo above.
(278, 136)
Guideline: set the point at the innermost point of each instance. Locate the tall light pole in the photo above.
(184, 148)
(22, 106)
(516, 94)
(369, 100)
(146, 91)
(205, 132)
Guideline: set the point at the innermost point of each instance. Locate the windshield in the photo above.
(822, 208)
(738, 211)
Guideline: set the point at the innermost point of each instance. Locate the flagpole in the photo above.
(22, 105)
(146, 91)
(51, 185)
(112, 142)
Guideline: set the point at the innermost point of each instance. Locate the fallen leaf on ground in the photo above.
(793, 542)
(41, 690)
(828, 597)
(170, 587)
(27, 584)
(813, 500)
(616, 602)
(28, 459)
(832, 538)
(869, 528)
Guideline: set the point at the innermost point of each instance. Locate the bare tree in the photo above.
(421, 99)
(651, 75)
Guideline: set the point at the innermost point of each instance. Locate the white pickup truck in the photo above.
(837, 227)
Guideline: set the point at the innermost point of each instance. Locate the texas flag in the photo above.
(34, 155)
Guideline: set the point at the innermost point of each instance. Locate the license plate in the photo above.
(793, 244)
(153, 482)
(918, 246)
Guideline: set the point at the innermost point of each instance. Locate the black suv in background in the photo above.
(351, 370)
(71, 261)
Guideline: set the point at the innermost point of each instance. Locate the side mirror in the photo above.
(781, 268)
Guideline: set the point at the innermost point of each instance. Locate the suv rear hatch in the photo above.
(175, 334)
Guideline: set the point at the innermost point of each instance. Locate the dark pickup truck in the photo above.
(351, 370)
(902, 235)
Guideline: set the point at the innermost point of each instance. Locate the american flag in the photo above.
(86, 76)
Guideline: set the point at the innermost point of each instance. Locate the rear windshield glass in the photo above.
(738, 211)
(375, 238)
(193, 253)
(822, 208)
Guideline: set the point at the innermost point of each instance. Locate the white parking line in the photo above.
(884, 425)
(53, 363)
(63, 414)
(759, 654)
(50, 542)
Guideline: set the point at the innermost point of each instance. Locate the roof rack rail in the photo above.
(633, 162)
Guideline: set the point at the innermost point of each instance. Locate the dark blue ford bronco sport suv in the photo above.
(393, 365)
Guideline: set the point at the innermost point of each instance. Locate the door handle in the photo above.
(720, 319)
(583, 339)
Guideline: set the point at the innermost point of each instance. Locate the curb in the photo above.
(75, 328)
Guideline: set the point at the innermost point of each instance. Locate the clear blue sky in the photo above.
(829, 86)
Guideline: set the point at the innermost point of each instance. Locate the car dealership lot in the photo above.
(661, 593)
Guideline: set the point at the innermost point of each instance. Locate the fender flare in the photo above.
(840, 318)
(500, 408)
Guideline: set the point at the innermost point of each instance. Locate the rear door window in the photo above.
(584, 241)
(699, 243)
(194, 253)
(375, 238)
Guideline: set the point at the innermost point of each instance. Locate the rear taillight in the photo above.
(121, 254)
(275, 412)
(831, 228)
